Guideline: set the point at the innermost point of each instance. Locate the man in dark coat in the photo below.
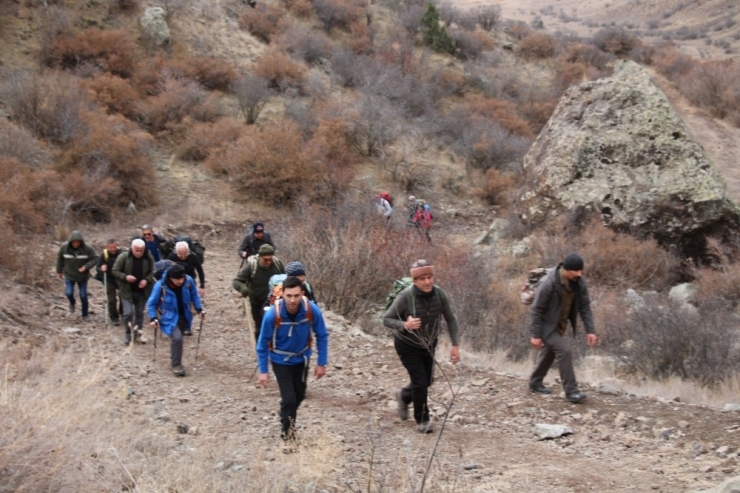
(190, 262)
(253, 281)
(134, 271)
(561, 295)
(74, 260)
(106, 261)
(253, 240)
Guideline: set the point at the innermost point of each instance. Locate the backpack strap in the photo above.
(279, 323)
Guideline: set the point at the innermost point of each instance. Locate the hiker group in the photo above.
(418, 213)
(280, 307)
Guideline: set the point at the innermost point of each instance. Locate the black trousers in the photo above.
(257, 312)
(291, 380)
(419, 362)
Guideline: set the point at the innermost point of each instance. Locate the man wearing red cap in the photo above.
(416, 317)
(561, 295)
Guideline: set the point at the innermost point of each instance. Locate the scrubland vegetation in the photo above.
(390, 87)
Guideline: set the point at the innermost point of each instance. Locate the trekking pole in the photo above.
(105, 286)
(200, 331)
(250, 335)
(156, 326)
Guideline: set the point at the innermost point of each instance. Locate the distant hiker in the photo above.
(106, 261)
(422, 219)
(296, 269)
(411, 211)
(173, 296)
(134, 271)
(254, 239)
(74, 260)
(561, 295)
(285, 339)
(416, 317)
(253, 281)
(153, 241)
(383, 206)
(190, 262)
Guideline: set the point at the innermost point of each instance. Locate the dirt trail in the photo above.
(619, 443)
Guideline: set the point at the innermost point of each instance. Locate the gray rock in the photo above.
(155, 26)
(496, 231)
(731, 485)
(71, 330)
(683, 293)
(730, 408)
(605, 388)
(616, 147)
(546, 431)
(183, 429)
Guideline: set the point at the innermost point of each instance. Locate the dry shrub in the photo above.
(361, 38)
(12, 258)
(469, 45)
(613, 259)
(616, 41)
(148, 75)
(671, 62)
(538, 45)
(330, 147)
(262, 22)
(108, 167)
(19, 143)
(496, 187)
(282, 71)
(48, 106)
(270, 163)
(215, 74)
(719, 283)
(587, 54)
(301, 8)
(538, 111)
(661, 338)
(123, 5)
(500, 111)
(111, 51)
(203, 139)
(178, 98)
(571, 73)
(518, 30)
(113, 92)
(340, 14)
(29, 197)
(713, 85)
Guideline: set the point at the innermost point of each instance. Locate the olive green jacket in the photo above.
(69, 260)
(124, 266)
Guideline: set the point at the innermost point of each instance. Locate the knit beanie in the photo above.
(421, 268)
(573, 262)
(295, 268)
(266, 250)
(177, 271)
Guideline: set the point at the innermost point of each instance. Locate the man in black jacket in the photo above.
(253, 240)
(190, 262)
(106, 261)
(561, 295)
(416, 317)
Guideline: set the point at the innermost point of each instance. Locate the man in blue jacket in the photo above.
(172, 296)
(285, 338)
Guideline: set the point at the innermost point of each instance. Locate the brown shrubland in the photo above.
(112, 51)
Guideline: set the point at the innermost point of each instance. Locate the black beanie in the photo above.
(573, 262)
(176, 272)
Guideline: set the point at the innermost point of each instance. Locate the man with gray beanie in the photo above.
(296, 269)
(416, 317)
(561, 295)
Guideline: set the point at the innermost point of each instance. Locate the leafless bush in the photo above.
(282, 71)
(177, 98)
(582, 53)
(538, 45)
(113, 92)
(376, 123)
(48, 106)
(410, 19)
(263, 21)
(488, 16)
(112, 51)
(661, 338)
(28, 197)
(712, 85)
(19, 143)
(496, 187)
(470, 45)
(303, 114)
(203, 139)
(349, 68)
(407, 92)
(252, 92)
(337, 13)
(307, 44)
(615, 41)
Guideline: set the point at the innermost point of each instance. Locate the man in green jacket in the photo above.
(254, 279)
(74, 261)
(134, 271)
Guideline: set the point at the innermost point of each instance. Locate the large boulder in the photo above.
(616, 147)
(155, 26)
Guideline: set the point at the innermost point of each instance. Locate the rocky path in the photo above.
(350, 435)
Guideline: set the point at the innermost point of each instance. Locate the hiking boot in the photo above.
(137, 337)
(425, 427)
(188, 333)
(178, 371)
(71, 308)
(115, 322)
(127, 339)
(575, 397)
(403, 408)
(539, 389)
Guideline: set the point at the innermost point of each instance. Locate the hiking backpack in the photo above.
(528, 290)
(160, 267)
(195, 246)
(279, 322)
(423, 217)
(387, 196)
(401, 284)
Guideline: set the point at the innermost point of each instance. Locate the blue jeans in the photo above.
(69, 291)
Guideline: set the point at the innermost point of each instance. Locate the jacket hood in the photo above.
(76, 236)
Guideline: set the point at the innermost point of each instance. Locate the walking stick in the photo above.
(200, 331)
(156, 326)
(250, 335)
(105, 286)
